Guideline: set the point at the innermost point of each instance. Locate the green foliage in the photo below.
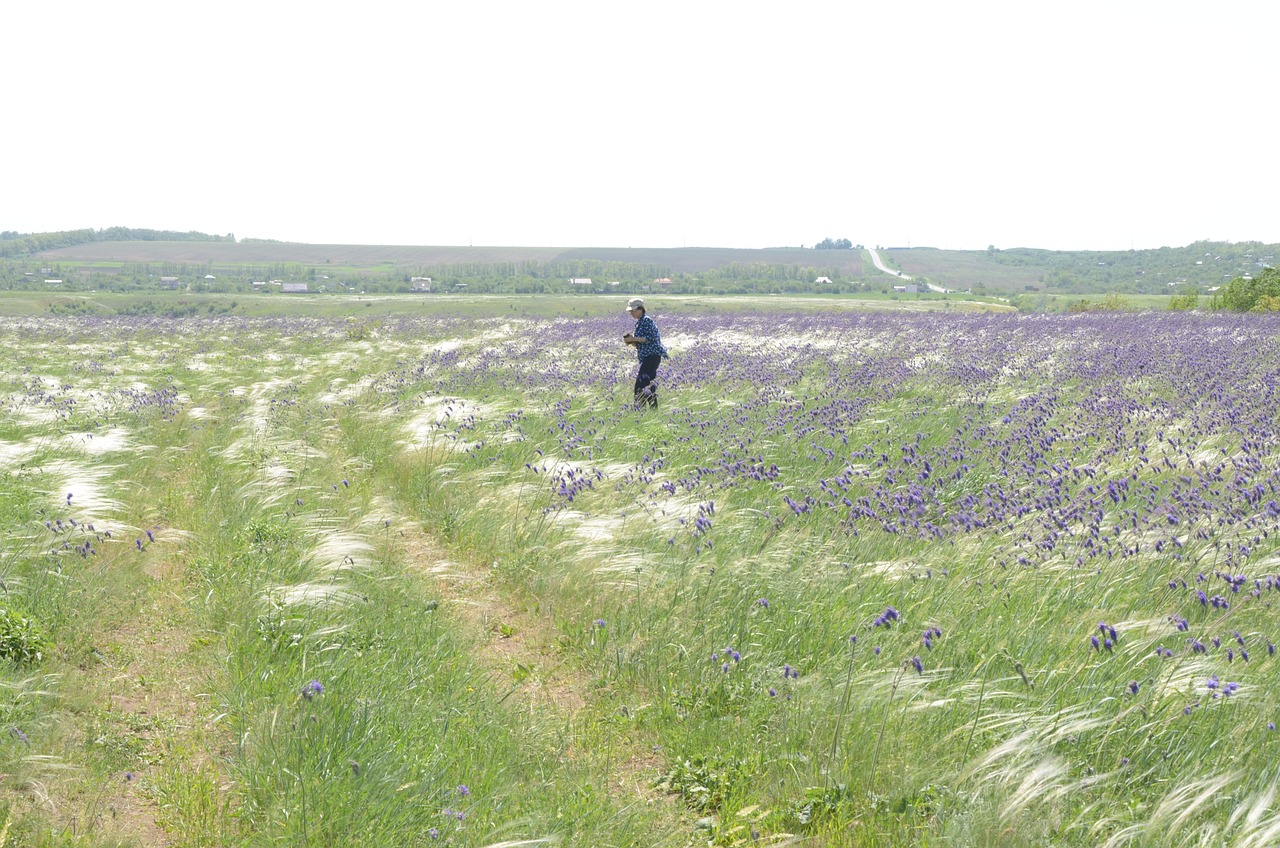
(1245, 293)
(837, 244)
(1109, 303)
(21, 640)
(74, 307)
(1186, 299)
(707, 784)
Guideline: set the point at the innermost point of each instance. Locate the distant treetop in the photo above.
(837, 244)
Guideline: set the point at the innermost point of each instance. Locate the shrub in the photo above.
(21, 641)
(1243, 294)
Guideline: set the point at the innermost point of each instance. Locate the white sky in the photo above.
(1089, 125)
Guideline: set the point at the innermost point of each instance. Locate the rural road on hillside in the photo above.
(875, 259)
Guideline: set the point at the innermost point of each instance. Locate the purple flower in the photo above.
(600, 623)
(763, 602)
(773, 693)
(1133, 687)
(312, 689)
(462, 788)
(917, 664)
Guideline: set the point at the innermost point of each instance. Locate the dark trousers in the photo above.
(647, 381)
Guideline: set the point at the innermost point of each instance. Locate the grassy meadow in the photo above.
(406, 574)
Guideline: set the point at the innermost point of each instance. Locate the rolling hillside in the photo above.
(1202, 265)
(682, 260)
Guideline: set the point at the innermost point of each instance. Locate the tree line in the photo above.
(14, 244)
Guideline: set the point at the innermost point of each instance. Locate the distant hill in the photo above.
(680, 260)
(1202, 265)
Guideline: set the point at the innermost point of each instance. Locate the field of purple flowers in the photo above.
(863, 579)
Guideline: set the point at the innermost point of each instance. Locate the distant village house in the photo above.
(293, 288)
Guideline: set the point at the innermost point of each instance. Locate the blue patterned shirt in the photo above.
(646, 329)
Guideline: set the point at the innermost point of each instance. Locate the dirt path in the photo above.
(140, 703)
(523, 652)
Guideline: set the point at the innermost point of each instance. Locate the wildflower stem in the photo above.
(982, 693)
(844, 708)
(893, 692)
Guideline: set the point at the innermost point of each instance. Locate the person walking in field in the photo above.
(648, 344)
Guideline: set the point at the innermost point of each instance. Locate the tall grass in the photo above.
(844, 586)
